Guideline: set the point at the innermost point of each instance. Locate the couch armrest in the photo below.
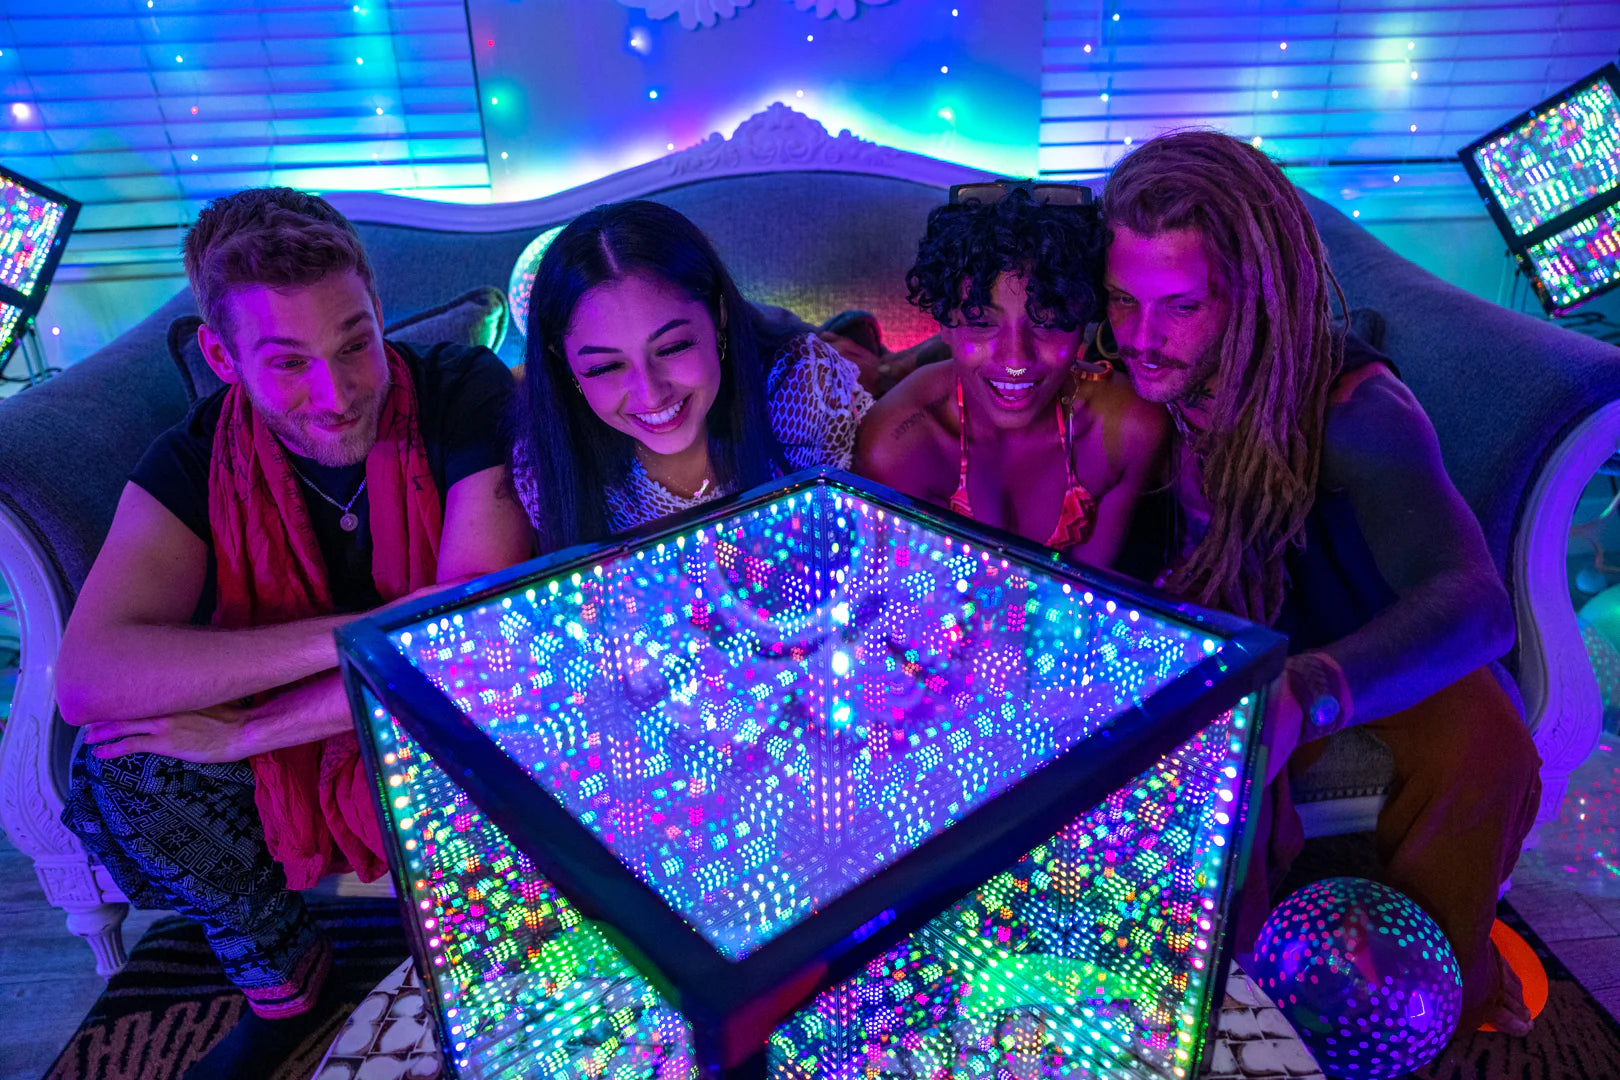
(1561, 697)
(68, 444)
(33, 753)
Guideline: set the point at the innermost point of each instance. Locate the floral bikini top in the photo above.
(1078, 517)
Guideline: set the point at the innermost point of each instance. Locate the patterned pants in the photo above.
(174, 834)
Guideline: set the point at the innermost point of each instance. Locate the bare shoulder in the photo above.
(1140, 428)
(1373, 418)
(1378, 436)
(907, 434)
(1145, 424)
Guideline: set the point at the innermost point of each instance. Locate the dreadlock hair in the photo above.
(1280, 353)
(1058, 248)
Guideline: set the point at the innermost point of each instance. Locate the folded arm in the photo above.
(484, 531)
(130, 650)
(314, 709)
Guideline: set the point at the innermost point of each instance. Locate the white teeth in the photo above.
(1012, 388)
(659, 419)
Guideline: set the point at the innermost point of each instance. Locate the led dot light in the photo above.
(1556, 160)
(521, 283)
(1552, 181)
(757, 714)
(29, 224)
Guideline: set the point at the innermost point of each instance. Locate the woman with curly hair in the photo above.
(651, 386)
(1019, 429)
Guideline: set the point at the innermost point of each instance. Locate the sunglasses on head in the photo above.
(987, 192)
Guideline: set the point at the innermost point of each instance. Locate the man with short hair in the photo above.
(1311, 497)
(335, 472)
(1018, 428)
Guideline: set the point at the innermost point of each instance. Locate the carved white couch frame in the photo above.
(1560, 689)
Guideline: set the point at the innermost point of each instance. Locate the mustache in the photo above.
(1151, 356)
(361, 409)
(331, 417)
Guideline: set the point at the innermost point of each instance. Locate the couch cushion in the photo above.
(819, 243)
(478, 316)
(816, 243)
(67, 445)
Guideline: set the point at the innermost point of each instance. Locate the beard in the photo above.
(1175, 380)
(301, 432)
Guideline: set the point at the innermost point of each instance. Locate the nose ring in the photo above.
(1013, 373)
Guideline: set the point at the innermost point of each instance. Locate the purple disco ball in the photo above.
(1364, 975)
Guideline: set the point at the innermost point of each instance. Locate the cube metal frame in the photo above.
(732, 1006)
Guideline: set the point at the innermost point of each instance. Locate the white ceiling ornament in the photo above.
(846, 9)
(693, 13)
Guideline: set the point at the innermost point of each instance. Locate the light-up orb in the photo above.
(522, 283)
(1606, 666)
(1364, 975)
(1603, 612)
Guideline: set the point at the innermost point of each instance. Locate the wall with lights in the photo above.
(574, 91)
(1365, 103)
(144, 109)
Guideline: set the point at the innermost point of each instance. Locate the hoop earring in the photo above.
(558, 355)
(723, 336)
(1106, 330)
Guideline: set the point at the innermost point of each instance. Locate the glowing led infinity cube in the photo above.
(817, 782)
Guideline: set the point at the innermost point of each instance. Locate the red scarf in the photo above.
(316, 799)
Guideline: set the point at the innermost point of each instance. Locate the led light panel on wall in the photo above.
(800, 773)
(1551, 180)
(1364, 106)
(34, 226)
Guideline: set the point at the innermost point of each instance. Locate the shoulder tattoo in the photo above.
(909, 422)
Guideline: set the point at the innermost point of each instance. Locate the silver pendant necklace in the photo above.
(350, 521)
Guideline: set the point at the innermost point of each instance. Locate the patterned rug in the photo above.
(1574, 1038)
(171, 1003)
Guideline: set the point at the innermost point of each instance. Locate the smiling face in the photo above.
(647, 359)
(311, 361)
(1011, 367)
(1167, 312)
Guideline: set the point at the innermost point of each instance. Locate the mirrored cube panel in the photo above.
(802, 725)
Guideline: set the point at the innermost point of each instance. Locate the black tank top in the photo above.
(1334, 585)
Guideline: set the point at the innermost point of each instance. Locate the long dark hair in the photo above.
(571, 453)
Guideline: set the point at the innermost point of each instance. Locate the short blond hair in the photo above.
(273, 236)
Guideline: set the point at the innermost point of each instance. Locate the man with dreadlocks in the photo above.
(1311, 496)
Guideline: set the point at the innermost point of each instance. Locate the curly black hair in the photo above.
(1059, 249)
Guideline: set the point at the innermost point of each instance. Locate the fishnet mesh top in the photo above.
(816, 404)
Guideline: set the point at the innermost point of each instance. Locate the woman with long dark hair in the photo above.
(651, 385)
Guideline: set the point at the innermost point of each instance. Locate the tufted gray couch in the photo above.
(818, 224)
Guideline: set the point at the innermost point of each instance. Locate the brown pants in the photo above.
(1467, 785)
